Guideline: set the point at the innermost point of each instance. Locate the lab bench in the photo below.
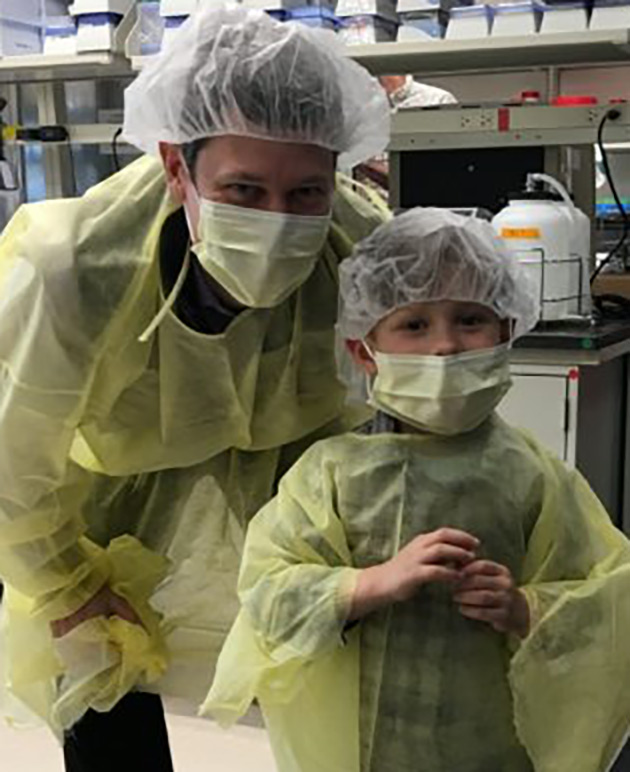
(571, 386)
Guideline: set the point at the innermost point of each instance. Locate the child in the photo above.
(436, 593)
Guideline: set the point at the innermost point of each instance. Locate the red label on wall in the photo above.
(504, 119)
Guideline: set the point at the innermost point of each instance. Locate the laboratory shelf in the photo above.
(439, 56)
(138, 62)
(523, 52)
(43, 67)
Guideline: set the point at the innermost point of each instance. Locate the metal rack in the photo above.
(496, 53)
(489, 55)
(440, 56)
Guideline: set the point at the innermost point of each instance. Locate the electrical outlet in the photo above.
(487, 120)
(478, 120)
(594, 115)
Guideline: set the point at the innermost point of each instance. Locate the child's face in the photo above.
(439, 329)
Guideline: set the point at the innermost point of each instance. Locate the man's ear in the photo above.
(361, 356)
(177, 174)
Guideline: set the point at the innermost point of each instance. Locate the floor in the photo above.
(196, 745)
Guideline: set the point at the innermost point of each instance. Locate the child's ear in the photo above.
(507, 330)
(361, 356)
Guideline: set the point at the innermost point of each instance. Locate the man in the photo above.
(166, 344)
(404, 93)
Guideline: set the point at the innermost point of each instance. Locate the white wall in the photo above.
(604, 83)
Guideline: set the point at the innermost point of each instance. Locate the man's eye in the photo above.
(242, 190)
(311, 192)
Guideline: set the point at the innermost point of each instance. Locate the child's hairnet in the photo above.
(230, 70)
(428, 255)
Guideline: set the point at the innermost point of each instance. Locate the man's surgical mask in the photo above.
(259, 257)
(441, 394)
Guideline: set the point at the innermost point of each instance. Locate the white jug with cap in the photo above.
(546, 232)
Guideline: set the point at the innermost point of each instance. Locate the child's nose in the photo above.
(443, 344)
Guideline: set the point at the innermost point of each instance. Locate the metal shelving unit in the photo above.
(44, 68)
(496, 53)
(441, 56)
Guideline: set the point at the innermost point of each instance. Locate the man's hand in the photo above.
(104, 604)
(438, 556)
(487, 593)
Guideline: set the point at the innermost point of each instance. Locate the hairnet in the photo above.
(427, 255)
(230, 70)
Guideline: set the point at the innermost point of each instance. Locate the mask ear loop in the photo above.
(511, 327)
(169, 302)
(369, 379)
(179, 283)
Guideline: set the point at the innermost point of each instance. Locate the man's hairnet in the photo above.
(238, 71)
(427, 255)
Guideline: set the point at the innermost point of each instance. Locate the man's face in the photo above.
(254, 173)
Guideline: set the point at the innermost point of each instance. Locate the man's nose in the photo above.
(277, 202)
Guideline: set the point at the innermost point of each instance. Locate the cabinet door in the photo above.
(539, 403)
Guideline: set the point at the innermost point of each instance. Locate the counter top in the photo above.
(575, 342)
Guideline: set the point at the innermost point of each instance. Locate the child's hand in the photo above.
(487, 593)
(431, 557)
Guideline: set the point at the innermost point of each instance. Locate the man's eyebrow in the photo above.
(315, 178)
(239, 175)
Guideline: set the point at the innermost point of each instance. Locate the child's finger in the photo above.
(446, 554)
(480, 599)
(496, 582)
(485, 567)
(455, 537)
(439, 574)
(493, 616)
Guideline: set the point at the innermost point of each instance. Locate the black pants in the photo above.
(130, 738)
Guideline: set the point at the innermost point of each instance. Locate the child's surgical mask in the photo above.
(441, 394)
(259, 257)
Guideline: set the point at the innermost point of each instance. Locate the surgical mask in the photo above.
(441, 394)
(259, 257)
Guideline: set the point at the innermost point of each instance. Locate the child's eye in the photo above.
(472, 320)
(415, 325)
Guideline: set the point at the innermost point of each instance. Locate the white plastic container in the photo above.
(81, 7)
(611, 14)
(384, 8)
(366, 28)
(537, 235)
(551, 239)
(182, 7)
(25, 11)
(580, 238)
(150, 29)
(422, 25)
(318, 16)
(97, 31)
(171, 26)
(409, 6)
(271, 5)
(511, 19)
(60, 36)
(17, 39)
(470, 22)
(20, 27)
(565, 17)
